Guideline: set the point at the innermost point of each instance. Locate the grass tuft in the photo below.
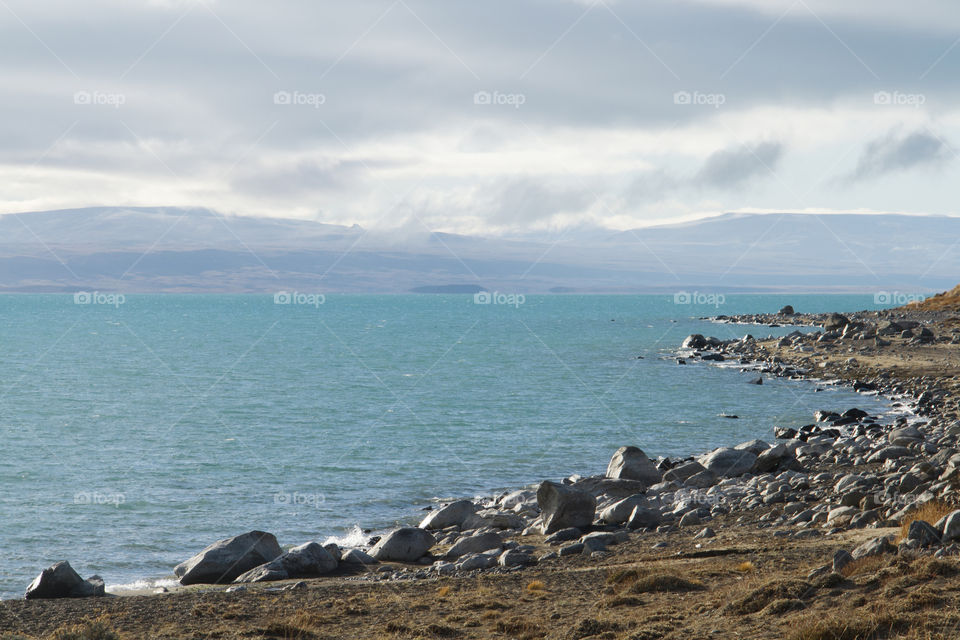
(929, 512)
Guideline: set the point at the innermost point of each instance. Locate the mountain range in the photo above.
(168, 249)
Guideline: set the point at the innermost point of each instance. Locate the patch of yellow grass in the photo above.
(536, 586)
(870, 564)
(745, 567)
(443, 592)
(929, 513)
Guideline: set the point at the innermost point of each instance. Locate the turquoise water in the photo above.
(136, 431)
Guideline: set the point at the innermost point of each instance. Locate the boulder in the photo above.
(695, 341)
(777, 458)
(454, 514)
(306, 561)
(619, 512)
(357, 556)
(61, 581)
(631, 463)
(951, 527)
(407, 544)
(873, 547)
(562, 507)
(904, 436)
(889, 453)
(226, 559)
(728, 462)
(681, 472)
(835, 321)
(516, 558)
(924, 533)
(702, 480)
(786, 311)
(475, 544)
(755, 447)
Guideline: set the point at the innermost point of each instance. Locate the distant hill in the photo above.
(946, 301)
(170, 249)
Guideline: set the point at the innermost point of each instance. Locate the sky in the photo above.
(481, 117)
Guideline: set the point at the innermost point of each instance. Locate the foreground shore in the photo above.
(715, 551)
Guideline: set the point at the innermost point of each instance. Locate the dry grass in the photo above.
(948, 300)
(838, 626)
(536, 586)
(661, 583)
(745, 567)
(443, 592)
(759, 598)
(97, 629)
(929, 513)
(870, 564)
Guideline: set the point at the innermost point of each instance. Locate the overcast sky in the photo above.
(481, 116)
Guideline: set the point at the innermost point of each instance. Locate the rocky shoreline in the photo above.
(890, 470)
(862, 488)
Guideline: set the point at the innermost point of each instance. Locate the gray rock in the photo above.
(564, 535)
(477, 561)
(308, 560)
(571, 549)
(61, 581)
(874, 547)
(516, 558)
(728, 462)
(924, 533)
(454, 514)
(695, 341)
(619, 512)
(904, 436)
(756, 447)
(631, 463)
(681, 472)
(951, 527)
(775, 458)
(643, 518)
(334, 550)
(841, 559)
(357, 556)
(475, 544)
(702, 480)
(690, 519)
(889, 453)
(706, 532)
(407, 544)
(562, 507)
(226, 559)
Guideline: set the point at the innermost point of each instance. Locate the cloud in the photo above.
(893, 153)
(731, 168)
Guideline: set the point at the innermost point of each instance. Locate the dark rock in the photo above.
(308, 560)
(224, 560)
(562, 507)
(786, 311)
(61, 581)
